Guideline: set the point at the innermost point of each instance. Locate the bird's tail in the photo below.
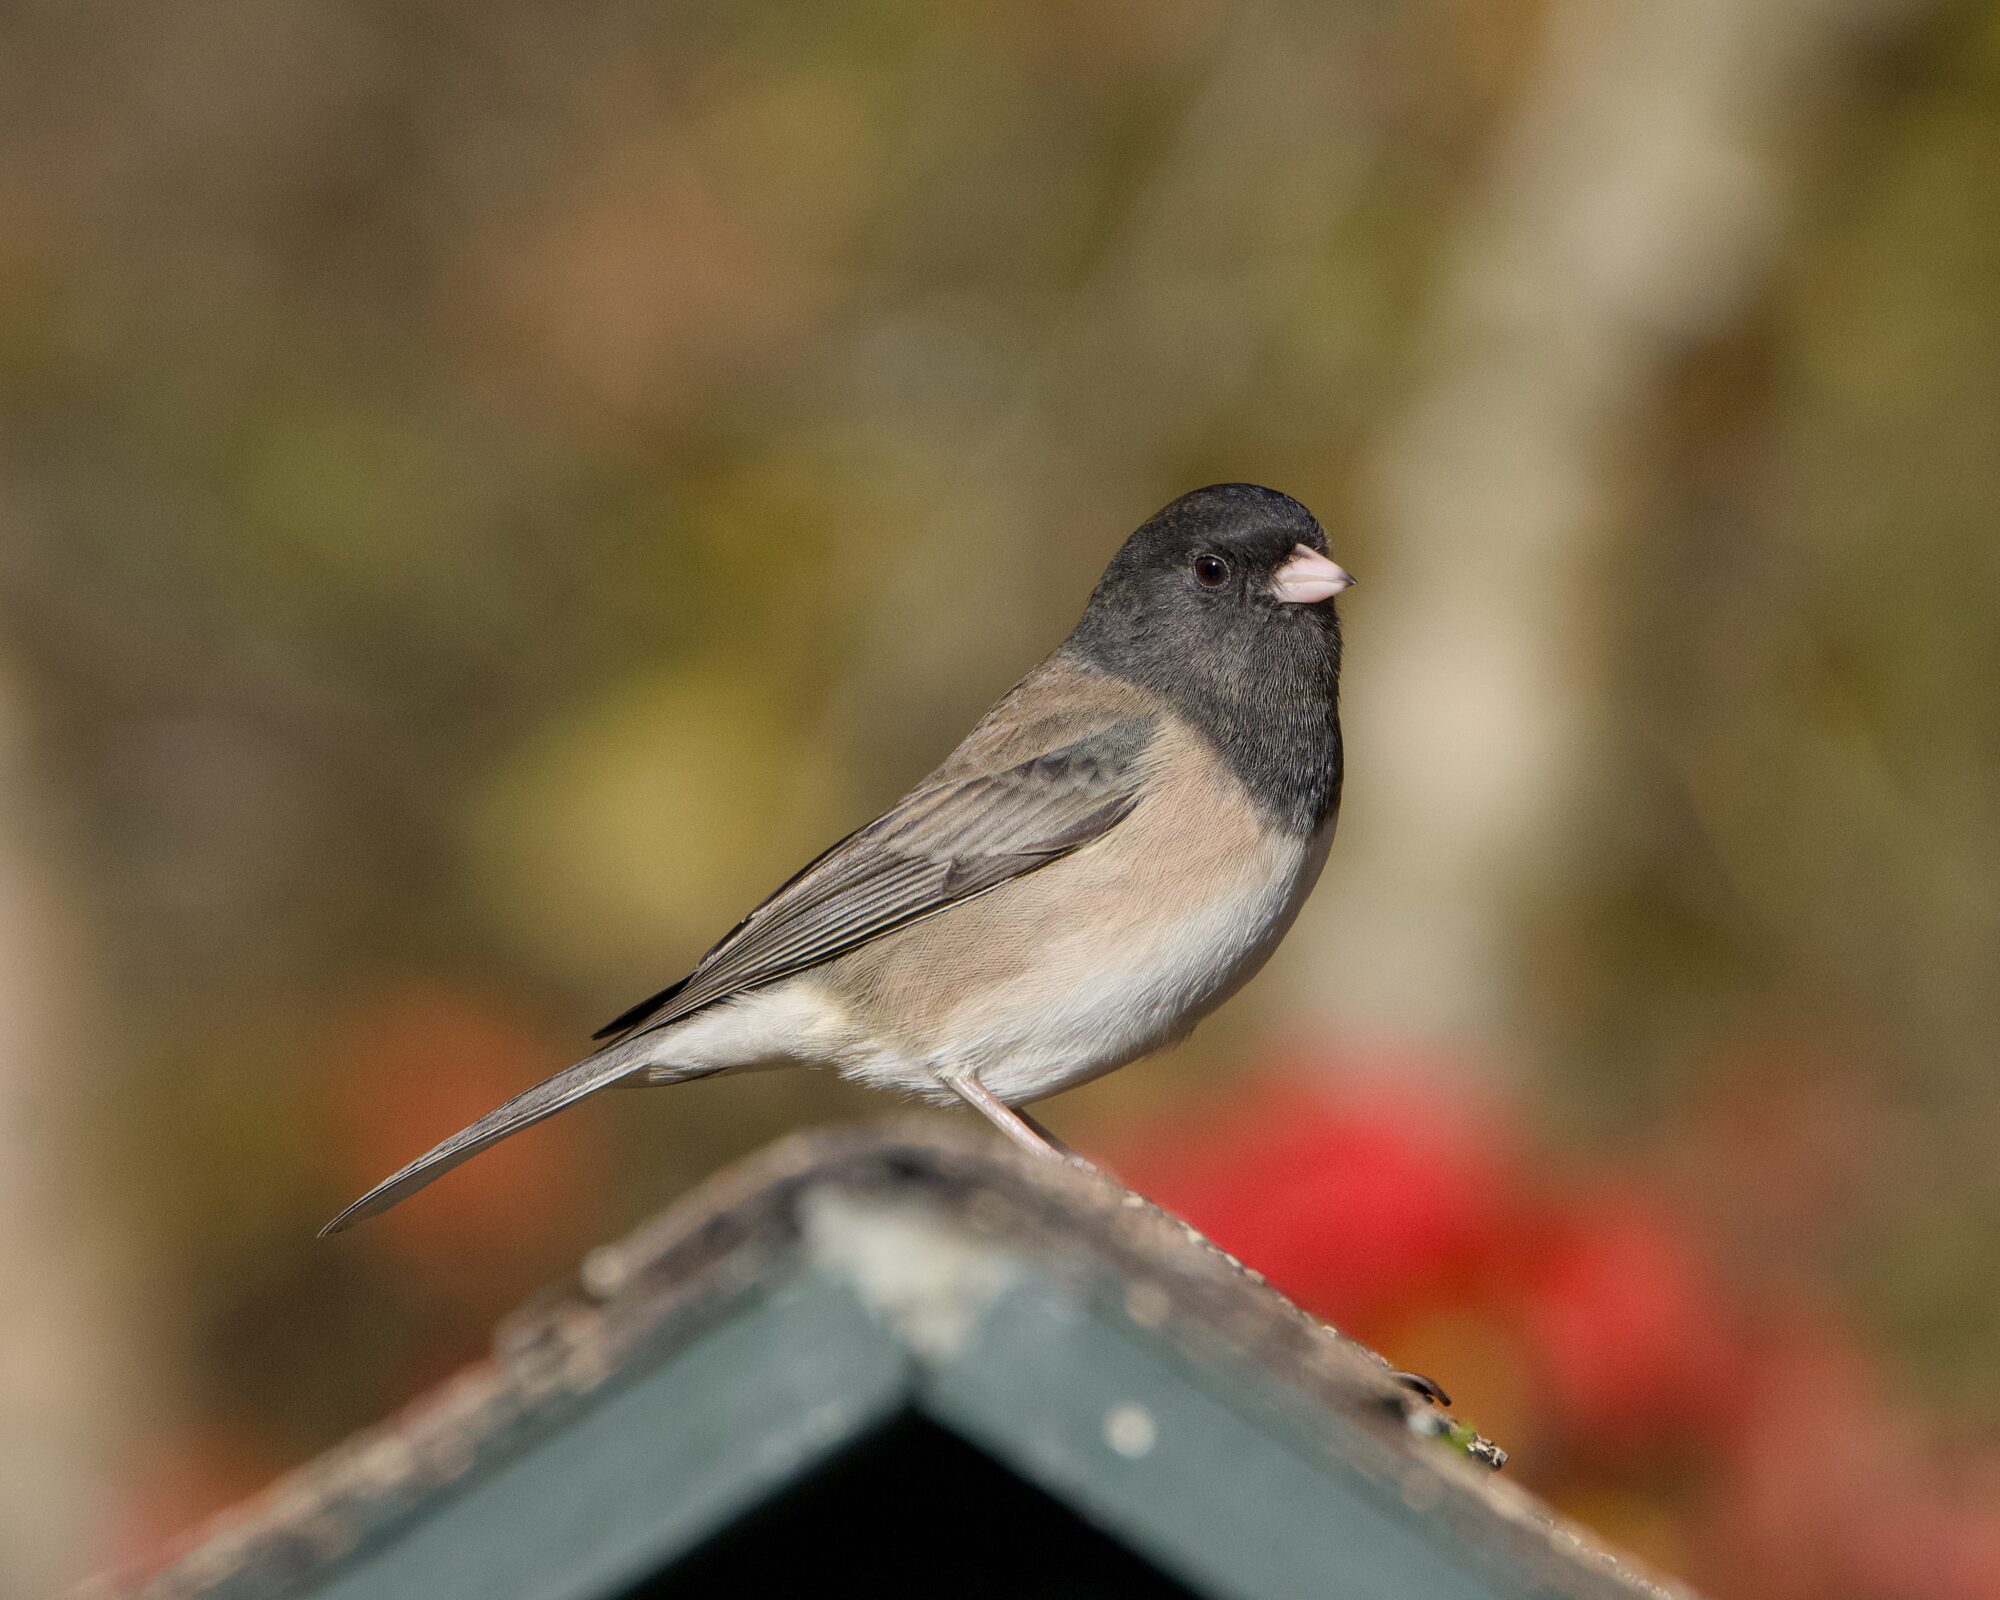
(609, 1066)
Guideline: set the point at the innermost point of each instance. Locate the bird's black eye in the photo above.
(1211, 571)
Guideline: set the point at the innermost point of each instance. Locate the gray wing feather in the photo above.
(943, 844)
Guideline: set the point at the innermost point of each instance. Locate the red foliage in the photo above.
(1358, 1208)
(1731, 1431)
(1634, 1341)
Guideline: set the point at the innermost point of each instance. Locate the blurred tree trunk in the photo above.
(65, 1368)
(1629, 213)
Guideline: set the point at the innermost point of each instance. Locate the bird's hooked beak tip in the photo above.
(1307, 578)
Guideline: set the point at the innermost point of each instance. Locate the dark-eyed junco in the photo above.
(1110, 854)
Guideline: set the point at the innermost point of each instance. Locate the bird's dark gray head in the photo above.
(1224, 582)
(1223, 603)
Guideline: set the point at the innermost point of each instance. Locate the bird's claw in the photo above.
(1429, 1388)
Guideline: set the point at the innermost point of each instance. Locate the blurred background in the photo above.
(485, 490)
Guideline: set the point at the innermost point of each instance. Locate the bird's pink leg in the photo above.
(1023, 1129)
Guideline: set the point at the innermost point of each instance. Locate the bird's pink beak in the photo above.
(1307, 578)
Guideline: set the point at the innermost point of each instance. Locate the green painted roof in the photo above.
(847, 1282)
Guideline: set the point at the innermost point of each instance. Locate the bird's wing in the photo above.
(954, 837)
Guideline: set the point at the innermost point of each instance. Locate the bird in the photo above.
(1112, 852)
